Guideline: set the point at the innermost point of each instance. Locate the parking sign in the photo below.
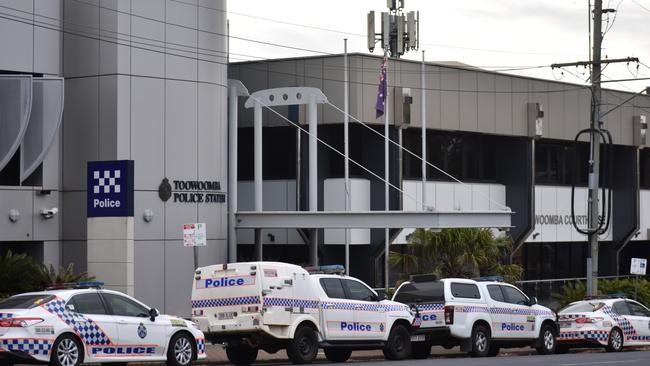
(638, 266)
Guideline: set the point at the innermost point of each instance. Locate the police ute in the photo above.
(479, 316)
(83, 323)
(611, 323)
(272, 306)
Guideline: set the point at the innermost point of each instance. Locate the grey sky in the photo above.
(489, 33)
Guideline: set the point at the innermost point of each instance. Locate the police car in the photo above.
(85, 323)
(479, 316)
(612, 323)
(272, 306)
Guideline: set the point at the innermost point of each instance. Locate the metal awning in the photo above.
(372, 219)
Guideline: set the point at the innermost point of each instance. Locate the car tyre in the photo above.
(480, 341)
(337, 354)
(398, 346)
(561, 349)
(66, 351)
(494, 351)
(615, 343)
(547, 340)
(420, 350)
(303, 347)
(181, 350)
(242, 355)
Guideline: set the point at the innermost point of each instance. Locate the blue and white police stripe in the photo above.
(6, 315)
(200, 345)
(434, 306)
(87, 329)
(231, 301)
(34, 347)
(597, 335)
(285, 302)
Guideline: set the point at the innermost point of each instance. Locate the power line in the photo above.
(439, 45)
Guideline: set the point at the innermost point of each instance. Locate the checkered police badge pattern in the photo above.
(434, 306)
(106, 181)
(35, 347)
(6, 315)
(200, 346)
(88, 330)
(625, 325)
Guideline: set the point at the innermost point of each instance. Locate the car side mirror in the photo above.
(532, 301)
(382, 296)
(153, 313)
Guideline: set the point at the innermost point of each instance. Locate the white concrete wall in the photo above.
(334, 200)
(444, 196)
(644, 215)
(553, 215)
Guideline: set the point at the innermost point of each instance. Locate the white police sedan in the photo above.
(86, 323)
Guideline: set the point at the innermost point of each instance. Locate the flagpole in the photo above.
(386, 172)
(424, 136)
(346, 103)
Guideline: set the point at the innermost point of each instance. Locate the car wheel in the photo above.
(547, 339)
(66, 351)
(182, 350)
(337, 354)
(615, 343)
(420, 350)
(561, 349)
(480, 341)
(242, 355)
(494, 351)
(304, 346)
(398, 346)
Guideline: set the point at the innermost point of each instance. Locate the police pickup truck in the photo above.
(271, 306)
(480, 316)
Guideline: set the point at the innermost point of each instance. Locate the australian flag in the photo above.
(380, 106)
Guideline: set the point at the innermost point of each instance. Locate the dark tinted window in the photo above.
(87, 304)
(495, 293)
(514, 296)
(124, 306)
(333, 288)
(359, 291)
(466, 290)
(621, 308)
(24, 301)
(421, 292)
(638, 310)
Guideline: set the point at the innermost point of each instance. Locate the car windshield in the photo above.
(582, 307)
(25, 301)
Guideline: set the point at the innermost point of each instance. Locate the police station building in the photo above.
(510, 139)
(141, 84)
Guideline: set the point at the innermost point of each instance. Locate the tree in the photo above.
(459, 252)
(18, 274)
(48, 275)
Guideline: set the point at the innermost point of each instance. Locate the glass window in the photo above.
(638, 310)
(421, 292)
(359, 291)
(465, 290)
(124, 306)
(621, 308)
(495, 293)
(89, 303)
(514, 296)
(333, 288)
(582, 307)
(25, 301)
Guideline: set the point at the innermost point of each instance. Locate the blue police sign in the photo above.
(110, 188)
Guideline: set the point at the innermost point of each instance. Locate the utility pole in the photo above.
(594, 156)
(596, 129)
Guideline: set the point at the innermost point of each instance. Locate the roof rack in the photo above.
(424, 278)
(495, 278)
(329, 269)
(77, 285)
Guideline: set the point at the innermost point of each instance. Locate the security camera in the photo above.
(49, 213)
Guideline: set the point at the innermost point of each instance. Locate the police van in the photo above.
(272, 306)
(479, 316)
